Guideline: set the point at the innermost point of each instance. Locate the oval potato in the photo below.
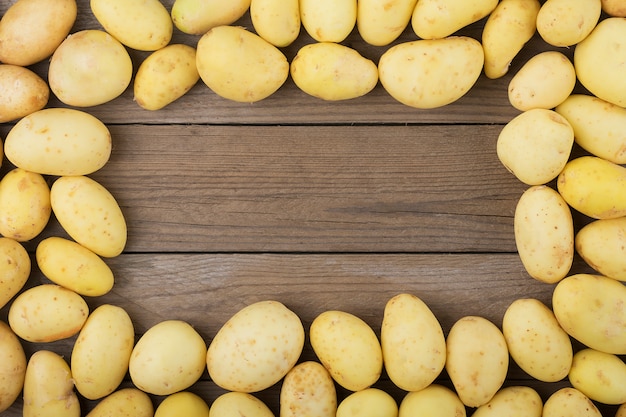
(276, 21)
(380, 23)
(126, 402)
(435, 399)
(198, 17)
(437, 19)
(308, 390)
(615, 8)
(570, 402)
(567, 22)
(15, 269)
(12, 367)
(600, 376)
(512, 401)
(183, 403)
(328, 20)
(237, 404)
(602, 244)
(370, 402)
(22, 92)
(431, 73)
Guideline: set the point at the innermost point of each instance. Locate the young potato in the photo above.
(599, 61)
(237, 404)
(328, 20)
(12, 367)
(308, 390)
(506, 31)
(276, 21)
(427, 74)
(32, 29)
(513, 401)
(15, 269)
(434, 400)
(380, 23)
(198, 17)
(567, 22)
(370, 402)
(602, 244)
(615, 8)
(332, 71)
(22, 92)
(600, 376)
(438, 19)
(126, 402)
(569, 402)
(183, 403)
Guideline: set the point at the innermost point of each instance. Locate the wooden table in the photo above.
(320, 205)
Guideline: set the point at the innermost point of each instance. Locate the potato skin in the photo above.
(22, 92)
(198, 17)
(567, 22)
(380, 23)
(12, 367)
(276, 21)
(15, 269)
(437, 19)
(326, 26)
(602, 244)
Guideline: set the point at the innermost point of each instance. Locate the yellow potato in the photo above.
(590, 308)
(615, 8)
(89, 214)
(599, 126)
(434, 400)
(256, 347)
(182, 403)
(569, 402)
(24, 204)
(600, 376)
(513, 401)
(32, 29)
(567, 22)
(198, 17)
(437, 19)
(15, 268)
(308, 390)
(431, 73)
(126, 402)
(328, 20)
(165, 76)
(144, 25)
(89, 68)
(237, 404)
(48, 387)
(544, 234)
(348, 347)
(599, 61)
(543, 82)
(169, 357)
(12, 367)
(240, 65)
(276, 21)
(101, 353)
(477, 359)
(370, 402)
(332, 71)
(380, 23)
(536, 341)
(507, 29)
(59, 141)
(413, 343)
(22, 92)
(602, 244)
(535, 145)
(594, 187)
(621, 411)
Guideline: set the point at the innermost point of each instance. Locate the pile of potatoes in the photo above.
(261, 344)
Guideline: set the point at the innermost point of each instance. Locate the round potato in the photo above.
(237, 404)
(567, 22)
(600, 376)
(198, 17)
(380, 23)
(513, 401)
(12, 367)
(370, 402)
(569, 401)
(435, 399)
(15, 268)
(22, 92)
(328, 20)
(126, 402)
(308, 390)
(183, 403)
(602, 244)
(276, 21)
(437, 19)
(615, 8)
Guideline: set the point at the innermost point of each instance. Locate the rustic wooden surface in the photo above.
(318, 205)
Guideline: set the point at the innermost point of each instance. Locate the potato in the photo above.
(621, 411)
(22, 92)
(101, 353)
(599, 61)
(436, 19)
(432, 400)
(332, 71)
(144, 25)
(89, 68)
(126, 402)
(198, 17)
(48, 23)
(590, 308)
(535, 145)
(507, 29)
(594, 187)
(431, 73)
(370, 402)
(328, 20)
(165, 76)
(512, 401)
(544, 234)
(308, 390)
(256, 347)
(89, 214)
(543, 82)
(477, 359)
(599, 126)
(348, 347)
(276, 21)
(48, 387)
(600, 376)
(240, 65)
(602, 244)
(237, 404)
(615, 8)
(569, 402)
(567, 22)
(413, 343)
(24, 204)
(59, 141)
(182, 403)
(380, 23)
(169, 357)
(12, 367)
(536, 341)
(15, 268)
